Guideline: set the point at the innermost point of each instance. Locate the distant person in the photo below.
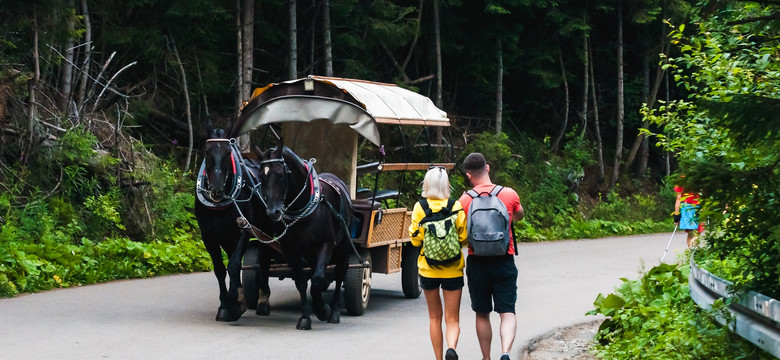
(491, 270)
(686, 214)
(439, 227)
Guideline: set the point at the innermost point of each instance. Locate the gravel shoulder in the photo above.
(570, 343)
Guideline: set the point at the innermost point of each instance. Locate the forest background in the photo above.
(102, 106)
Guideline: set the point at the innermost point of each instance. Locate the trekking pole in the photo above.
(670, 242)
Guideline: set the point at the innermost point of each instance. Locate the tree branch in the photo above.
(774, 16)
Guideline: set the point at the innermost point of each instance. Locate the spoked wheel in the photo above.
(249, 276)
(357, 285)
(410, 274)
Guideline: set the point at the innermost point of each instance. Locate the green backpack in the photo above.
(440, 242)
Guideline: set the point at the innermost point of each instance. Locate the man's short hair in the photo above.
(474, 163)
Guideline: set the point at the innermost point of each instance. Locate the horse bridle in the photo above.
(238, 178)
(311, 182)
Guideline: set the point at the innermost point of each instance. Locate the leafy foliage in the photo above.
(47, 242)
(725, 135)
(655, 318)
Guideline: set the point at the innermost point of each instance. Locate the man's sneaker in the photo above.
(505, 357)
(451, 354)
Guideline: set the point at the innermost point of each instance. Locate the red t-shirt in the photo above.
(507, 195)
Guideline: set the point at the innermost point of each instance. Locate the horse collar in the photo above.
(314, 193)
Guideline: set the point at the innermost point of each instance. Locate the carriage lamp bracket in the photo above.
(308, 84)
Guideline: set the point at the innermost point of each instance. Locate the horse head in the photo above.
(274, 179)
(219, 170)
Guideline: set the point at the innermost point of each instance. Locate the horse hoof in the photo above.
(223, 315)
(304, 324)
(325, 314)
(335, 318)
(263, 309)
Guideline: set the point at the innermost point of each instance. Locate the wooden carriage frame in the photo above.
(316, 108)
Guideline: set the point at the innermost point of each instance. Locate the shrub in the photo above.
(655, 318)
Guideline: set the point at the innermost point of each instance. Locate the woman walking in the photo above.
(439, 227)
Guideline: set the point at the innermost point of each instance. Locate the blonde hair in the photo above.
(436, 184)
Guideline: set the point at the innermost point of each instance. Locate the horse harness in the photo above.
(313, 183)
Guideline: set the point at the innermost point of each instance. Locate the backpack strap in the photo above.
(472, 193)
(450, 204)
(426, 208)
(496, 189)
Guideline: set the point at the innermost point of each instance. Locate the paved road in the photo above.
(172, 317)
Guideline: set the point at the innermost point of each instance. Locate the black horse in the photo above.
(315, 211)
(226, 191)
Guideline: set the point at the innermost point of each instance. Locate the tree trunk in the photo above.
(82, 90)
(439, 89)
(292, 72)
(650, 97)
(499, 86)
(67, 64)
(247, 54)
(596, 125)
(239, 60)
(326, 37)
(645, 94)
(558, 138)
(34, 81)
(620, 99)
(585, 82)
(247, 48)
(645, 123)
(414, 41)
(186, 101)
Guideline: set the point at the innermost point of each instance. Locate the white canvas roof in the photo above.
(391, 103)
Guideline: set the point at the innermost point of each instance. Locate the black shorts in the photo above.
(492, 283)
(449, 284)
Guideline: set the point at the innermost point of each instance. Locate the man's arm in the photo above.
(518, 215)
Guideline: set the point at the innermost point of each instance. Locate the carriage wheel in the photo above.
(249, 276)
(410, 274)
(357, 285)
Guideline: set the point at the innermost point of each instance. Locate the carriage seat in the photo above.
(381, 195)
(362, 212)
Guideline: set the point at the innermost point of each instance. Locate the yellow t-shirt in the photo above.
(453, 270)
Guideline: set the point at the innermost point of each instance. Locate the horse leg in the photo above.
(220, 272)
(301, 283)
(319, 282)
(341, 259)
(263, 302)
(236, 304)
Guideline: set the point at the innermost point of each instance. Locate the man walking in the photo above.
(490, 266)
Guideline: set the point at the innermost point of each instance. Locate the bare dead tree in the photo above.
(186, 100)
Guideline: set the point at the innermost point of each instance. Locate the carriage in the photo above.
(338, 121)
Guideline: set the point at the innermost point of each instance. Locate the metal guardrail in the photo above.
(757, 317)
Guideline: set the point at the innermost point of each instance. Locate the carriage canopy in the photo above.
(358, 103)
